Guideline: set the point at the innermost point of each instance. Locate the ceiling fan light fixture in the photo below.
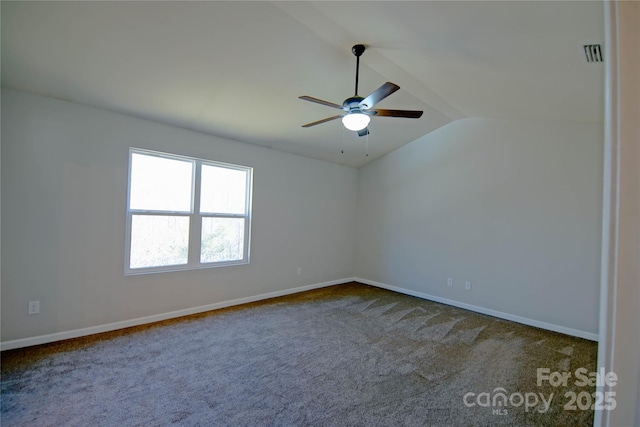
(356, 121)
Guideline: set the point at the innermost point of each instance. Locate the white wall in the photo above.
(64, 183)
(513, 206)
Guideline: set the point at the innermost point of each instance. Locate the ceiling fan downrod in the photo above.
(357, 50)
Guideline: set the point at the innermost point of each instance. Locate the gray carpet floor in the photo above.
(346, 355)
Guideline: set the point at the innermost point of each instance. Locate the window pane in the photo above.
(223, 190)
(159, 240)
(158, 183)
(222, 239)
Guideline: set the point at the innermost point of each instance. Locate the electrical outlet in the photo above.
(449, 281)
(299, 271)
(34, 307)
(467, 285)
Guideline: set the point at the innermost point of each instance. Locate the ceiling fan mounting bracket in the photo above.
(358, 49)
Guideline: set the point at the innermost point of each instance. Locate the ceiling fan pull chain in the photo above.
(366, 149)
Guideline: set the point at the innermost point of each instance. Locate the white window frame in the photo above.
(195, 217)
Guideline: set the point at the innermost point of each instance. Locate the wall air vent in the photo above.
(593, 53)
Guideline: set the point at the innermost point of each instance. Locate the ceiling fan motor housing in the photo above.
(354, 102)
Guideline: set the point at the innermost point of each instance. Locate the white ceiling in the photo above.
(236, 68)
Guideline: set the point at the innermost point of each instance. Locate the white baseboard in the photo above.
(525, 321)
(76, 333)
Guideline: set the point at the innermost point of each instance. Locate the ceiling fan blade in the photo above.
(328, 119)
(378, 95)
(363, 132)
(410, 114)
(320, 101)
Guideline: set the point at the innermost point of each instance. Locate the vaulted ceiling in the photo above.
(236, 68)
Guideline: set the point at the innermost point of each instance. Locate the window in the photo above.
(185, 213)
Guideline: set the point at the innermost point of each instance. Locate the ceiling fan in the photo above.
(358, 109)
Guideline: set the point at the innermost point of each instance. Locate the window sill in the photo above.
(175, 268)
